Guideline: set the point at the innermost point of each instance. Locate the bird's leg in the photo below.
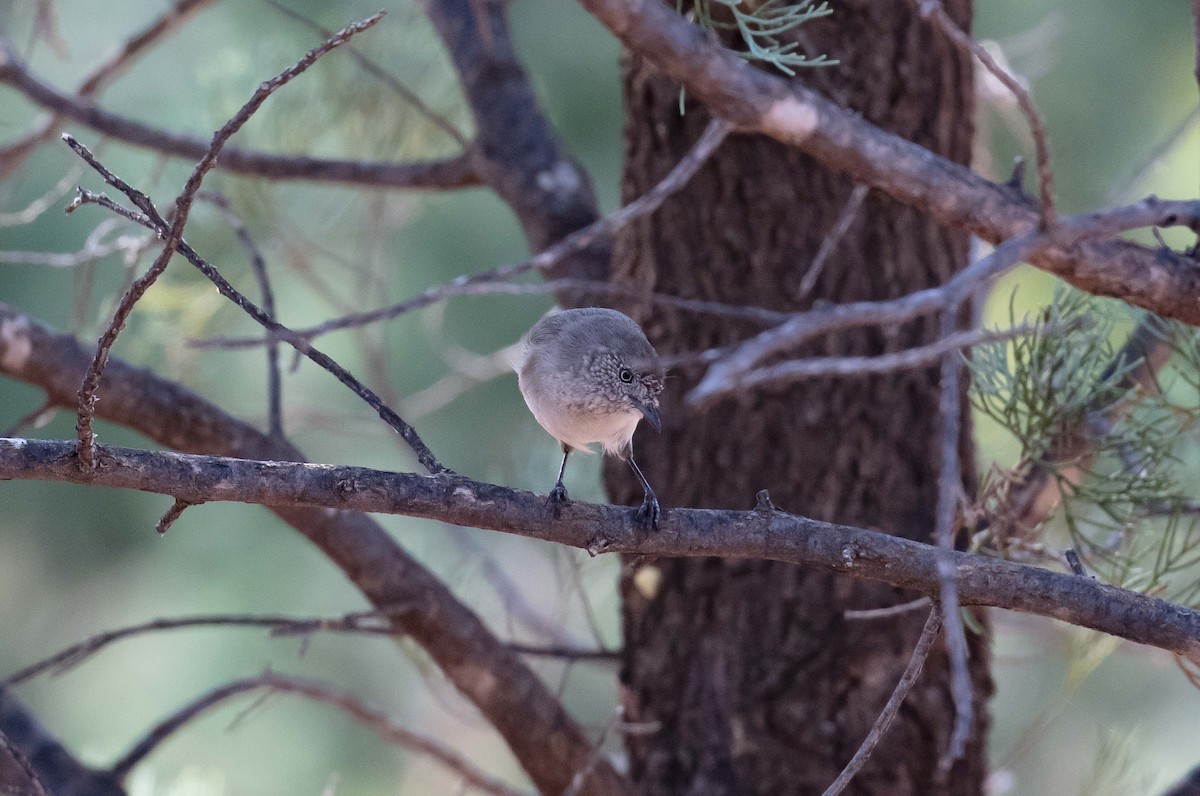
(558, 495)
(648, 513)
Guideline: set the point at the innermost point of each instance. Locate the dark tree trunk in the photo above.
(761, 685)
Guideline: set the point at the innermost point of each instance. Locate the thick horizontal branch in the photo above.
(550, 746)
(762, 533)
(756, 101)
(455, 172)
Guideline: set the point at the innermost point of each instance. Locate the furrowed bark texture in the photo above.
(760, 684)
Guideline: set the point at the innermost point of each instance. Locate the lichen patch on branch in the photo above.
(790, 119)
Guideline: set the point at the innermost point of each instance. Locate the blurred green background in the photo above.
(1071, 715)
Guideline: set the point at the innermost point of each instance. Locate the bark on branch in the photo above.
(765, 533)
(454, 172)
(755, 101)
(550, 746)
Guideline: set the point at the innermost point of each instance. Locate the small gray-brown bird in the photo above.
(590, 375)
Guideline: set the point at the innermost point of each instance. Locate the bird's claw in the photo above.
(558, 497)
(648, 513)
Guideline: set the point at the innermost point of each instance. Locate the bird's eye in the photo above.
(626, 375)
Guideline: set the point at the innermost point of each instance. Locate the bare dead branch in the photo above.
(547, 742)
(909, 678)
(455, 172)
(384, 76)
(752, 100)
(154, 221)
(258, 265)
(919, 357)
(72, 656)
(582, 775)
(44, 202)
(772, 535)
(168, 519)
(95, 247)
(759, 315)
(62, 259)
(173, 235)
(932, 9)
(83, 197)
(567, 653)
(32, 417)
(479, 369)
(950, 500)
(887, 613)
(831, 241)
(546, 260)
(516, 151)
(171, 20)
(1069, 232)
(368, 716)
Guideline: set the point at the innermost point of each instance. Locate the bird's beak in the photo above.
(650, 412)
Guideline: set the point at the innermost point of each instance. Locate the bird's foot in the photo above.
(649, 512)
(558, 498)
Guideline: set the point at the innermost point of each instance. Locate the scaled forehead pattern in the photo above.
(578, 333)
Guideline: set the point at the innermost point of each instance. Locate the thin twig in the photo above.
(453, 172)
(888, 612)
(919, 357)
(723, 377)
(377, 71)
(594, 758)
(370, 717)
(483, 367)
(566, 653)
(83, 197)
(31, 417)
(173, 235)
(1074, 563)
(371, 623)
(154, 221)
(839, 230)
(589, 614)
(949, 500)
(258, 265)
(169, 21)
(1123, 188)
(911, 672)
(473, 284)
(168, 519)
(932, 9)
(30, 212)
(456, 288)
(88, 254)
